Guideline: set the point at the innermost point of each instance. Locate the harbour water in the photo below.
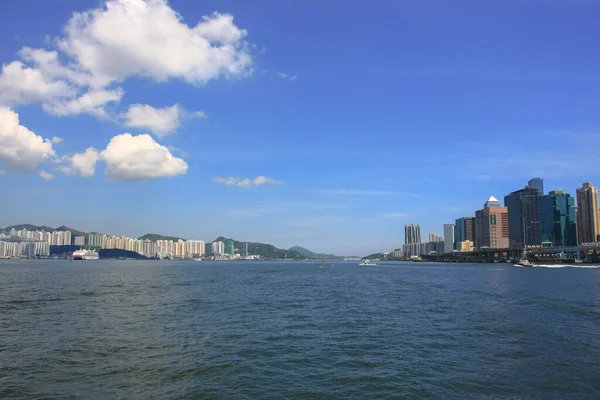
(277, 330)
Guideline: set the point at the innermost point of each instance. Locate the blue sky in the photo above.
(356, 119)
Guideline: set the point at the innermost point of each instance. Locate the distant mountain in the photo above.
(264, 250)
(155, 236)
(309, 254)
(74, 232)
(376, 256)
(29, 227)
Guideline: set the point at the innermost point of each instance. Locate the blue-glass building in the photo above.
(558, 217)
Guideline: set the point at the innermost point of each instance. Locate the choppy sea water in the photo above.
(268, 330)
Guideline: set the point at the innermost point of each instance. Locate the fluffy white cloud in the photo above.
(20, 84)
(246, 182)
(92, 102)
(46, 175)
(56, 139)
(138, 158)
(20, 148)
(147, 37)
(161, 121)
(82, 164)
(103, 46)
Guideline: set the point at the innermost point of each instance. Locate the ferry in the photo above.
(85, 255)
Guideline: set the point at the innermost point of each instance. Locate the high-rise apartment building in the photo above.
(435, 238)
(448, 238)
(79, 240)
(588, 223)
(537, 183)
(559, 226)
(245, 249)
(464, 230)
(491, 224)
(218, 248)
(412, 234)
(524, 225)
(230, 248)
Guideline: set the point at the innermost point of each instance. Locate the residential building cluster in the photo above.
(24, 243)
(530, 218)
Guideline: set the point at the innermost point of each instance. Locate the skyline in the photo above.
(324, 137)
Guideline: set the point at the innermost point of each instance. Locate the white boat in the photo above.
(84, 254)
(366, 263)
(523, 262)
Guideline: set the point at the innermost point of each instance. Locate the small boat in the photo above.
(523, 262)
(366, 263)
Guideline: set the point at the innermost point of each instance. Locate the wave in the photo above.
(583, 266)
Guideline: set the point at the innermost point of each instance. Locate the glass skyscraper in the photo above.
(524, 225)
(558, 217)
(537, 183)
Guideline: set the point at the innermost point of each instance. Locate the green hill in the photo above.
(74, 232)
(155, 236)
(29, 227)
(309, 254)
(376, 256)
(264, 250)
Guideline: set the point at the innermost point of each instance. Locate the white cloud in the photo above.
(138, 158)
(137, 37)
(82, 164)
(161, 121)
(287, 76)
(104, 46)
(20, 84)
(46, 175)
(20, 148)
(92, 102)
(56, 139)
(246, 182)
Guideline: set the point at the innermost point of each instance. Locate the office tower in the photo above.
(412, 234)
(559, 226)
(588, 225)
(230, 248)
(448, 238)
(491, 224)
(524, 225)
(537, 183)
(464, 229)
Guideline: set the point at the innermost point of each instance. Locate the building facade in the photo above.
(412, 234)
(448, 238)
(588, 224)
(464, 230)
(524, 225)
(537, 183)
(491, 226)
(558, 215)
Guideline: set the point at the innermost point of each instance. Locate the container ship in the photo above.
(85, 255)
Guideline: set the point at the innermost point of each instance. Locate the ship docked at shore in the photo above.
(84, 254)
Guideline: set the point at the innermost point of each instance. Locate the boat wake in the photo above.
(560, 266)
